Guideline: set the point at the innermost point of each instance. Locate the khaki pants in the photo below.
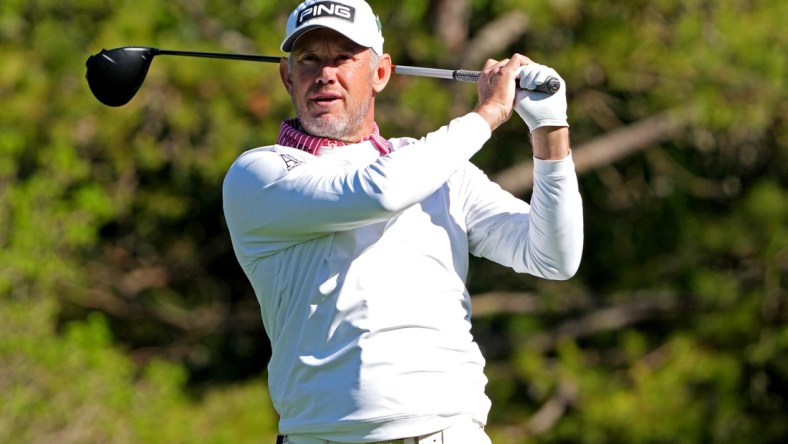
(466, 432)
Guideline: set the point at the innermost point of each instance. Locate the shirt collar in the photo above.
(291, 134)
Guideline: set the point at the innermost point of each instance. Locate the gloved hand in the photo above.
(539, 109)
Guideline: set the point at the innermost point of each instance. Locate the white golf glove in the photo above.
(536, 108)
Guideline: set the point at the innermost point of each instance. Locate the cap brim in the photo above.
(287, 45)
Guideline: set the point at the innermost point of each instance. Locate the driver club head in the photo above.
(115, 75)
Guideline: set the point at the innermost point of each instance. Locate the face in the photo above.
(333, 82)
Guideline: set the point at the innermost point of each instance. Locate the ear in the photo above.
(382, 73)
(284, 74)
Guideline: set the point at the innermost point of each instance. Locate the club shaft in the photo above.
(219, 55)
(462, 75)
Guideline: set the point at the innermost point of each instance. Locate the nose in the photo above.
(327, 74)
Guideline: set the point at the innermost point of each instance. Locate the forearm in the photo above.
(556, 232)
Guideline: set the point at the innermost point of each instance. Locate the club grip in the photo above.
(550, 86)
(464, 75)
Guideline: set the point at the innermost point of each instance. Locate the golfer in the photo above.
(357, 245)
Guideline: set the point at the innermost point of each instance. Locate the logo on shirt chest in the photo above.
(290, 161)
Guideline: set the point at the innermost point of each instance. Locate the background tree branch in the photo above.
(603, 150)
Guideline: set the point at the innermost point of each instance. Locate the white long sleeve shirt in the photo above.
(359, 264)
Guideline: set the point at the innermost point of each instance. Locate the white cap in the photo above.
(352, 18)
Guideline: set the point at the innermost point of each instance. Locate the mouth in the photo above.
(325, 99)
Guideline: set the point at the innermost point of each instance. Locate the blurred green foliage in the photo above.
(124, 317)
(73, 385)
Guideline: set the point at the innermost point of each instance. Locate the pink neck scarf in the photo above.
(291, 134)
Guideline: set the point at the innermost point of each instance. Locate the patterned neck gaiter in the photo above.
(292, 134)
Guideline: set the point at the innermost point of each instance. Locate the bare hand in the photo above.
(496, 88)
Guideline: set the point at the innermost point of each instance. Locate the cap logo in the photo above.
(327, 9)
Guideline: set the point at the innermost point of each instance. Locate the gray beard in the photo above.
(339, 128)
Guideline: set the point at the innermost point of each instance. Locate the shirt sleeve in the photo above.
(266, 195)
(544, 238)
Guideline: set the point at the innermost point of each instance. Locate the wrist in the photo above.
(550, 142)
(494, 114)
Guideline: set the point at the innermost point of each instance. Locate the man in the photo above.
(357, 246)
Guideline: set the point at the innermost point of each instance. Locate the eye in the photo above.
(308, 59)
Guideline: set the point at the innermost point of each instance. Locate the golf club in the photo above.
(115, 75)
